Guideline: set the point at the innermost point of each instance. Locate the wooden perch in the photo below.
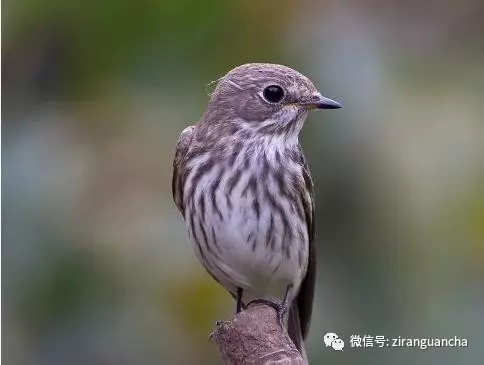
(254, 336)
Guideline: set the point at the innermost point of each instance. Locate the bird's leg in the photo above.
(270, 303)
(240, 304)
(281, 308)
(284, 305)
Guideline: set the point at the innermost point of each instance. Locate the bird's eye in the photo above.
(273, 93)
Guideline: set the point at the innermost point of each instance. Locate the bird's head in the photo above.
(266, 98)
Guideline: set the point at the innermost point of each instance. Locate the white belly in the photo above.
(250, 246)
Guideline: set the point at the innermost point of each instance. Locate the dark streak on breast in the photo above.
(232, 182)
(201, 203)
(213, 193)
(256, 208)
(270, 233)
(250, 186)
(214, 239)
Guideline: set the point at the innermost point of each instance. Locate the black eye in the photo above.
(273, 93)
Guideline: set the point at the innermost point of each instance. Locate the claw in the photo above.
(281, 312)
(284, 305)
(281, 308)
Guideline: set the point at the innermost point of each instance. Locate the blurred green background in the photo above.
(97, 266)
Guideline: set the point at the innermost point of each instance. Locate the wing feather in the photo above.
(178, 182)
(305, 296)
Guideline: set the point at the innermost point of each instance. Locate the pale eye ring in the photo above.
(273, 94)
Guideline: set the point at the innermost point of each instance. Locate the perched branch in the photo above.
(255, 336)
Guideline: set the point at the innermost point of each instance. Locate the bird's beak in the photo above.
(318, 101)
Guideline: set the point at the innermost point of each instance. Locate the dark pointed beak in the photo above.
(327, 103)
(320, 102)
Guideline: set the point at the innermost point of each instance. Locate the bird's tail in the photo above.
(294, 330)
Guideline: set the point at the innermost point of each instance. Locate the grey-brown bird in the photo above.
(243, 186)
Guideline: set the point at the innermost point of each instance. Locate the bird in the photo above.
(243, 186)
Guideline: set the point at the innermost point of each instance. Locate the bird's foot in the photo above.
(282, 311)
(281, 308)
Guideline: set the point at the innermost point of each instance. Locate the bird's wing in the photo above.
(306, 292)
(179, 173)
(301, 310)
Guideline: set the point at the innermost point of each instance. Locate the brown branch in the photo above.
(254, 336)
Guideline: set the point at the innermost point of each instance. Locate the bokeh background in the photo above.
(97, 266)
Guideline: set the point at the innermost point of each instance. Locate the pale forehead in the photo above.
(264, 73)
